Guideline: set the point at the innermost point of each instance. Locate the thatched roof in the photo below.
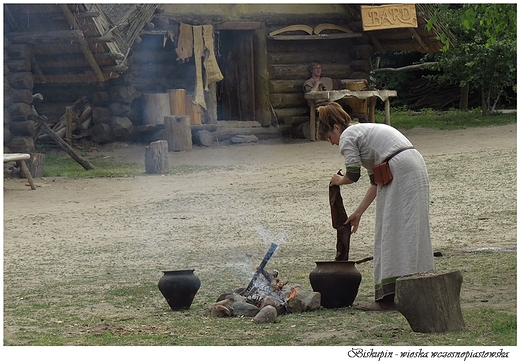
(75, 42)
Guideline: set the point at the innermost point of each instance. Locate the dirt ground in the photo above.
(227, 200)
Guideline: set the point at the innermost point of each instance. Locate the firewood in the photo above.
(121, 127)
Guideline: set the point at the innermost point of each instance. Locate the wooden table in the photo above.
(21, 157)
(332, 96)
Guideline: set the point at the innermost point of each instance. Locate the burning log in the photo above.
(259, 270)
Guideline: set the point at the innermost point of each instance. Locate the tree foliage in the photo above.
(485, 54)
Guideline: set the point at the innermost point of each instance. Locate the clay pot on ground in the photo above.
(337, 282)
(179, 288)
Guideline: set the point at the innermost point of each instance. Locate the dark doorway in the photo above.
(236, 92)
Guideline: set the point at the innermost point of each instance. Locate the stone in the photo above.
(304, 301)
(245, 309)
(267, 314)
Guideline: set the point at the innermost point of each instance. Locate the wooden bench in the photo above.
(21, 157)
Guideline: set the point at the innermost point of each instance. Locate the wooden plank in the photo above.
(316, 36)
(10, 157)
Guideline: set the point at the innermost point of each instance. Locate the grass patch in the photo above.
(450, 120)
(62, 165)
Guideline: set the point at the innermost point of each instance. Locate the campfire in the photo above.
(265, 289)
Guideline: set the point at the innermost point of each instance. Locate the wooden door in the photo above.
(236, 92)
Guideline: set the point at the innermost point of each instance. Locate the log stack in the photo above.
(19, 128)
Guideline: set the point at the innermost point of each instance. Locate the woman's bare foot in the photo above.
(386, 304)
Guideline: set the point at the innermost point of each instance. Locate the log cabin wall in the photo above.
(288, 63)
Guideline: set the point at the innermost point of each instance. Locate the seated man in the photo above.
(318, 83)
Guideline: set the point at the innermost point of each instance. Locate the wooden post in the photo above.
(387, 111)
(261, 77)
(27, 174)
(430, 301)
(156, 157)
(68, 125)
(312, 123)
(178, 133)
(372, 109)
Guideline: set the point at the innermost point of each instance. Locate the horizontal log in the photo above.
(311, 47)
(23, 144)
(301, 70)
(49, 37)
(24, 128)
(286, 86)
(21, 80)
(364, 51)
(301, 57)
(19, 65)
(281, 113)
(77, 78)
(19, 51)
(53, 15)
(46, 59)
(20, 111)
(361, 66)
(283, 100)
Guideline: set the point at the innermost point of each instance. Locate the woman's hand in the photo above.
(336, 180)
(354, 221)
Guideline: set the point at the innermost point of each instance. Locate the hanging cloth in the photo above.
(339, 216)
(213, 73)
(184, 48)
(198, 48)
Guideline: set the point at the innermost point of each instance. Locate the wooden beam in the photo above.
(83, 43)
(418, 38)
(405, 68)
(101, 39)
(316, 36)
(238, 25)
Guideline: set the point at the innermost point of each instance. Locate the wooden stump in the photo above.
(177, 101)
(193, 110)
(430, 301)
(156, 106)
(178, 133)
(35, 164)
(156, 157)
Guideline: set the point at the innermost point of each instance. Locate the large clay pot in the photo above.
(179, 288)
(337, 281)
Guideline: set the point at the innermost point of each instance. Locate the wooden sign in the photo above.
(388, 17)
